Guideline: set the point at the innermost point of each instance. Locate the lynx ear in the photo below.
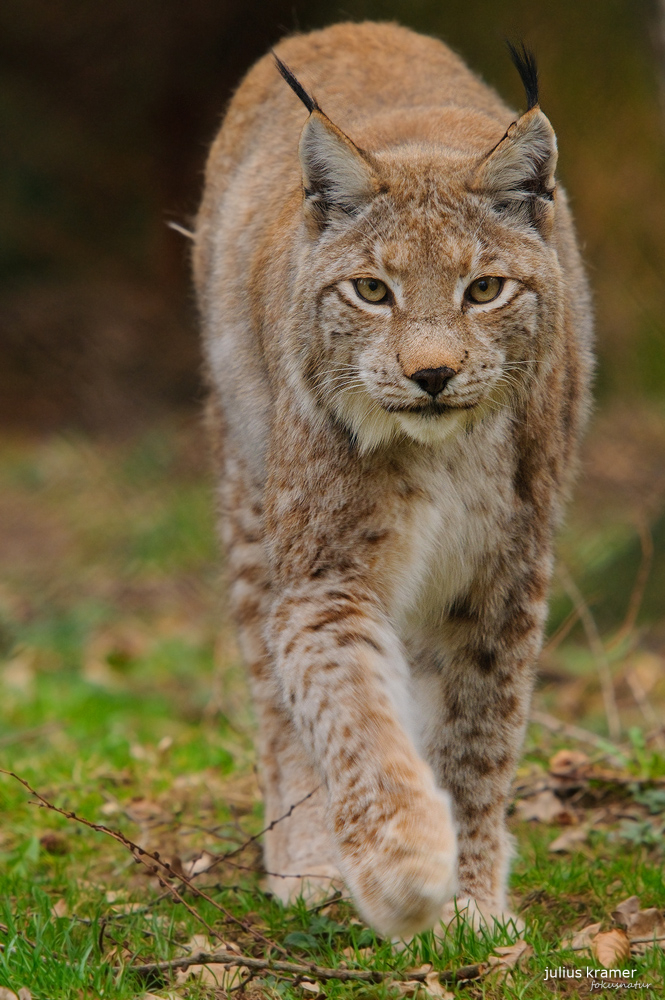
(337, 176)
(519, 170)
(522, 166)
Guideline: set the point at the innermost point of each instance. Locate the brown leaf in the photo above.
(611, 948)
(506, 958)
(54, 843)
(570, 840)
(225, 977)
(434, 987)
(639, 923)
(357, 953)
(60, 908)
(626, 910)
(430, 987)
(544, 807)
(409, 988)
(568, 762)
(581, 940)
(312, 987)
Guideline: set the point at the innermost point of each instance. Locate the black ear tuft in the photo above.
(295, 85)
(525, 63)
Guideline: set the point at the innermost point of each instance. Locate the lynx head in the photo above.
(428, 291)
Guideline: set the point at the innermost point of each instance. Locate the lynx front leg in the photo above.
(343, 679)
(298, 852)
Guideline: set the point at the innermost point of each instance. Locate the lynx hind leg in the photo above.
(298, 854)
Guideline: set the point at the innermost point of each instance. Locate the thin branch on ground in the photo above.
(639, 940)
(310, 970)
(162, 870)
(598, 650)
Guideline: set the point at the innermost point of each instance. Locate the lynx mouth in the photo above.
(429, 410)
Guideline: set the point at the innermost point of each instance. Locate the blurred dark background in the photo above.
(107, 110)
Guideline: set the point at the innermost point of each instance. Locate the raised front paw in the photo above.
(400, 869)
(478, 915)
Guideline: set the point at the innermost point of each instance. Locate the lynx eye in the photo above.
(371, 289)
(484, 289)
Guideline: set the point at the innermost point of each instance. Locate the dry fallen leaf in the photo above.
(434, 987)
(581, 940)
(568, 762)
(409, 988)
(225, 977)
(611, 948)
(506, 958)
(570, 840)
(357, 953)
(639, 923)
(311, 987)
(60, 908)
(544, 807)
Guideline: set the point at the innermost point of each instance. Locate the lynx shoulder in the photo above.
(397, 335)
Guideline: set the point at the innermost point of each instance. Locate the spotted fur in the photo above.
(389, 551)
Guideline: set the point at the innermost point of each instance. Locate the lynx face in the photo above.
(427, 308)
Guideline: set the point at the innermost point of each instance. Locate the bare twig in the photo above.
(573, 732)
(645, 707)
(597, 649)
(639, 587)
(561, 632)
(310, 970)
(162, 870)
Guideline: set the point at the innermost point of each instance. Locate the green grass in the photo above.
(122, 697)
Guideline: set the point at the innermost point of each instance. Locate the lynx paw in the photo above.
(465, 910)
(406, 869)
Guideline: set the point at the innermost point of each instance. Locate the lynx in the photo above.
(396, 330)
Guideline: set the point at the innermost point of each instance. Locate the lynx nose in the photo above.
(432, 380)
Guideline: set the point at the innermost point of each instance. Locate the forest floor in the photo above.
(123, 701)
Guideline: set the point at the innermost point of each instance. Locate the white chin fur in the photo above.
(375, 427)
(430, 430)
